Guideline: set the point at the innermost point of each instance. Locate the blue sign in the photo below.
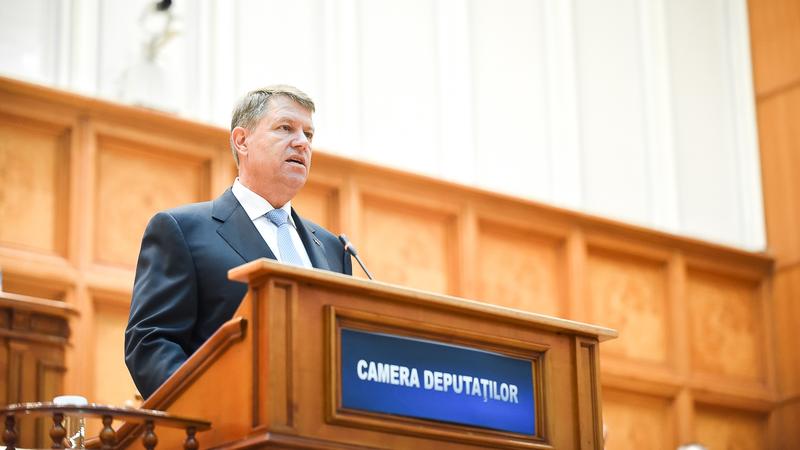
(432, 380)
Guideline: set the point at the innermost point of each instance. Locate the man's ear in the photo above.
(239, 138)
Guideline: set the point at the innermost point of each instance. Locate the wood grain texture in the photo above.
(727, 335)
(133, 183)
(779, 138)
(33, 287)
(34, 165)
(786, 312)
(718, 428)
(111, 378)
(637, 421)
(409, 245)
(775, 42)
(520, 269)
(34, 333)
(125, 163)
(319, 203)
(630, 295)
(419, 314)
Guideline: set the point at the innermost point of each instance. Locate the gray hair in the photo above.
(253, 106)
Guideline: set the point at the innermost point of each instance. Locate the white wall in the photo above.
(641, 110)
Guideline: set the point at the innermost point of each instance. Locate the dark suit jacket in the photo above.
(182, 294)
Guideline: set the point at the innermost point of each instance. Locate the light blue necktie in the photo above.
(288, 253)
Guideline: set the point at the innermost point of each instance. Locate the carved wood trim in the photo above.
(587, 379)
(23, 336)
(272, 353)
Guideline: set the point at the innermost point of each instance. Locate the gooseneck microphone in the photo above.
(350, 248)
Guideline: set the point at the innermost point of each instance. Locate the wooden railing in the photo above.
(107, 437)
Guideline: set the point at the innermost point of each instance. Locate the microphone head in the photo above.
(348, 246)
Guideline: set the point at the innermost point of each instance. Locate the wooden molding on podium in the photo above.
(270, 376)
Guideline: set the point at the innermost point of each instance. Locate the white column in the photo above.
(657, 91)
(562, 104)
(339, 122)
(222, 60)
(753, 233)
(458, 161)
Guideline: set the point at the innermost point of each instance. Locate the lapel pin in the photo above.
(316, 241)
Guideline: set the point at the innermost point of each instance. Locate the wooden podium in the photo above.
(271, 376)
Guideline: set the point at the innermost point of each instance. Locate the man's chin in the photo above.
(293, 184)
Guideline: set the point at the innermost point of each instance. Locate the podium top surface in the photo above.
(263, 267)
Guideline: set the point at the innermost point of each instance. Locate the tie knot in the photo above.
(278, 216)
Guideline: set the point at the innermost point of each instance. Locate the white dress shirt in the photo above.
(256, 206)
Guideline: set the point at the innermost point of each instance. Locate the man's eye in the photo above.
(285, 128)
(309, 136)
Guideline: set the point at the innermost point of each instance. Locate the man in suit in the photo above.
(181, 294)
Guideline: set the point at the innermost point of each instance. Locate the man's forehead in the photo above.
(280, 101)
(284, 107)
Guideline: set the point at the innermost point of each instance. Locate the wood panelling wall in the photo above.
(775, 40)
(694, 360)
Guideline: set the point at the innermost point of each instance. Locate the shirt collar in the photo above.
(255, 205)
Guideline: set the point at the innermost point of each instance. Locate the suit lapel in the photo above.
(238, 230)
(316, 253)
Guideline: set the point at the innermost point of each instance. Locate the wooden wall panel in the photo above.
(320, 204)
(629, 294)
(126, 163)
(112, 381)
(34, 168)
(719, 428)
(110, 378)
(779, 137)
(637, 421)
(134, 182)
(727, 335)
(409, 244)
(786, 298)
(775, 40)
(520, 269)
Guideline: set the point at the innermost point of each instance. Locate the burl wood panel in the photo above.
(779, 138)
(133, 183)
(630, 295)
(520, 269)
(320, 204)
(719, 428)
(637, 421)
(775, 40)
(726, 326)
(34, 168)
(409, 245)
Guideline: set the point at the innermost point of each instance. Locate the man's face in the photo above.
(275, 154)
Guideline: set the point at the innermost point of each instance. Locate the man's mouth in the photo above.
(296, 160)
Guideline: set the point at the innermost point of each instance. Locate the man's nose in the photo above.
(301, 140)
